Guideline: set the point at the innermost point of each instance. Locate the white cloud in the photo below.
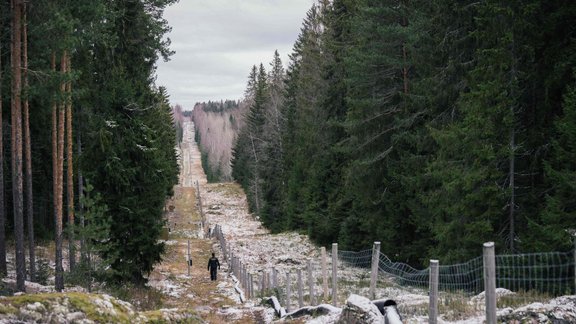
(218, 41)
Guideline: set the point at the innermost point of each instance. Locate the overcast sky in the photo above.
(218, 41)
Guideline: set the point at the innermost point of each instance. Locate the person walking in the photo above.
(213, 265)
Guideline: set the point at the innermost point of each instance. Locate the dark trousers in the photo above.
(213, 274)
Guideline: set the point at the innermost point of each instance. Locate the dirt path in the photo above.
(214, 301)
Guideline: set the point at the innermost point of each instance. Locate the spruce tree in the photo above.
(556, 229)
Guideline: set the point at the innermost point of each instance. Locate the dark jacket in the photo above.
(213, 263)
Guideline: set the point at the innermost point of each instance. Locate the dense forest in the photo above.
(88, 153)
(432, 126)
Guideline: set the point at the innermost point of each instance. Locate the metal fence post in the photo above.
(433, 304)
(374, 271)
(334, 273)
(490, 282)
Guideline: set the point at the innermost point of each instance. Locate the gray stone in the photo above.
(360, 310)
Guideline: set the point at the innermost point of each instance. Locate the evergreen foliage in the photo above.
(123, 122)
(431, 126)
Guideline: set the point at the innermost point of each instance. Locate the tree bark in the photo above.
(83, 255)
(16, 143)
(56, 185)
(3, 267)
(70, 169)
(28, 152)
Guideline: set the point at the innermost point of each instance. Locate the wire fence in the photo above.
(536, 275)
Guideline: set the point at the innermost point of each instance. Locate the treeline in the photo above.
(431, 126)
(98, 136)
(216, 128)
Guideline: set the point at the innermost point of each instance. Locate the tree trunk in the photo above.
(56, 185)
(3, 268)
(16, 141)
(256, 179)
(83, 255)
(28, 152)
(70, 174)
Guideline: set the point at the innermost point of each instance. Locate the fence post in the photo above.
(274, 279)
(189, 259)
(374, 271)
(200, 206)
(334, 273)
(490, 282)
(433, 284)
(288, 291)
(263, 283)
(300, 292)
(324, 273)
(251, 285)
(311, 283)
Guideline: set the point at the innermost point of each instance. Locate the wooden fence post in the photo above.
(334, 274)
(274, 279)
(433, 284)
(300, 292)
(200, 206)
(189, 261)
(374, 271)
(263, 283)
(324, 273)
(251, 285)
(311, 283)
(288, 291)
(490, 282)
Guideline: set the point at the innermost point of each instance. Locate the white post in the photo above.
(311, 283)
(334, 274)
(433, 284)
(300, 292)
(374, 271)
(490, 282)
(324, 273)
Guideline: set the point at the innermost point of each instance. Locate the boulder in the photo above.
(360, 310)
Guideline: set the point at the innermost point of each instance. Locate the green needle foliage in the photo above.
(431, 126)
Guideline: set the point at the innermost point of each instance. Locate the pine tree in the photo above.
(70, 172)
(28, 151)
(16, 125)
(555, 231)
(305, 90)
(383, 124)
(3, 265)
(273, 154)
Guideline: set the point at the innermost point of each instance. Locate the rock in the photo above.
(360, 310)
(561, 310)
(313, 311)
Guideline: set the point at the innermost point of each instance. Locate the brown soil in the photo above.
(212, 300)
